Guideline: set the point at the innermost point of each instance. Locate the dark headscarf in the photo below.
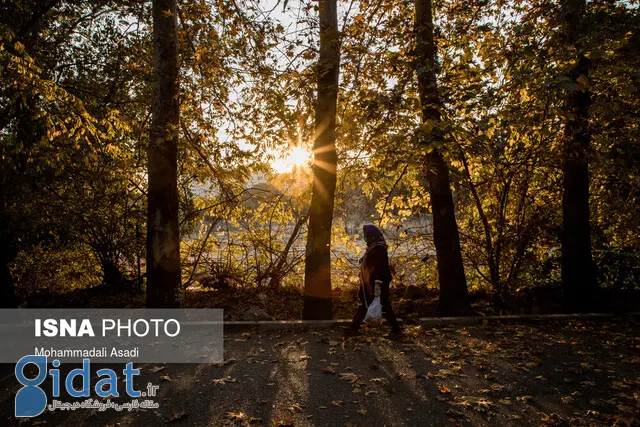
(373, 236)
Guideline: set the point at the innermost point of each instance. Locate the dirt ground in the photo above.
(550, 373)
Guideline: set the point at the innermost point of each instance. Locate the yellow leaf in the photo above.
(444, 389)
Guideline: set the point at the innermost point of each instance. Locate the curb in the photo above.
(424, 321)
(523, 318)
(285, 324)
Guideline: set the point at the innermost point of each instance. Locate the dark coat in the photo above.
(375, 266)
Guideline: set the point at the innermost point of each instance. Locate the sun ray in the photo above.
(297, 156)
(325, 165)
(324, 149)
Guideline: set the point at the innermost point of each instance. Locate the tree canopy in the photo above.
(76, 103)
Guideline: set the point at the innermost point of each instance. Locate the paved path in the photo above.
(561, 372)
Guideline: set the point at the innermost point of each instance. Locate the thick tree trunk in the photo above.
(577, 266)
(454, 297)
(317, 274)
(163, 236)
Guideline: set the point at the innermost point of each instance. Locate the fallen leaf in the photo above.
(287, 421)
(296, 407)
(524, 399)
(176, 415)
(480, 403)
(353, 379)
(443, 389)
(328, 370)
(617, 385)
(223, 381)
(567, 400)
(236, 416)
(552, 419)
(225, 362)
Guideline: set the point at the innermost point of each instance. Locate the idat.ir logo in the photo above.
(31, 400)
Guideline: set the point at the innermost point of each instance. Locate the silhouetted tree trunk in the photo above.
(317, 274)
(454, 297)
(577, 266)
(163, 236)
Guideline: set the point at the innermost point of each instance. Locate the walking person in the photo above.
(374, 269)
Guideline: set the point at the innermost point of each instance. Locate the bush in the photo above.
(43, 269)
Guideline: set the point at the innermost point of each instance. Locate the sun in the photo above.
(295, 156)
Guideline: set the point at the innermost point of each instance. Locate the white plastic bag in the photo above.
(374, 313)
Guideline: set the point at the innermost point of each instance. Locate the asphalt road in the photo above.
(550, 373)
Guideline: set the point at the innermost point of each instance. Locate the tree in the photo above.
(317, 277)
(454, 298)
(47, 134)
(17, 36)
(577, 267)
(163, 234)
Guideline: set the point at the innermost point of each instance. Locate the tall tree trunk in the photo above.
(317, 274)
(578, 279)
(163, 236)
(454, 297)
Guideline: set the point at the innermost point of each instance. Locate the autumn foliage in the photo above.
(496, 146)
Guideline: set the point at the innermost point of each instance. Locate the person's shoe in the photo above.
(394, 335)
